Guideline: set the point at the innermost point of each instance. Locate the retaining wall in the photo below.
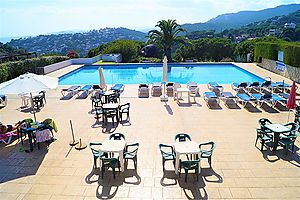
(291, 72)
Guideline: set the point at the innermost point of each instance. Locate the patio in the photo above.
(239, 169)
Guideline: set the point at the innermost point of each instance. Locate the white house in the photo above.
(113, 57)
(290, 25)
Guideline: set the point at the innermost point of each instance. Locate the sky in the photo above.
(34, 17)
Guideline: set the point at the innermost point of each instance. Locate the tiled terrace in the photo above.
(240, 170)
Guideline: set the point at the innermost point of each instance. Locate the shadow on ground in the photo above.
(16, 163)
(192, 189)
(108, 186)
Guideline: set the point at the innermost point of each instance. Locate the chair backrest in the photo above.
(124, 106)
(207, 148)
(132, 148)
(217, 91)
(93, 148)
(182, 137)
(165, 149)
(262, 122)
(117, 136)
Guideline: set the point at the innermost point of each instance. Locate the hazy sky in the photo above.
(33, 17)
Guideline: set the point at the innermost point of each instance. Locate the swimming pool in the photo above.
(149, 73)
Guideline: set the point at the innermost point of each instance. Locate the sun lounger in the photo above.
(118, 88)
(70, 91)
(3, 100)
(284, 95)
(210, 96)
(254, 86)
(85, 89)
(244, 98)
(281, 86)
(143, 91)
(237, 86)
(170, 89)
(156, 89)
(228, 96)
(212, 85)
(273, 99)
(6, 137)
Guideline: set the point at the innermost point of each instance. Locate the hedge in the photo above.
(10, 70)
(291, 52)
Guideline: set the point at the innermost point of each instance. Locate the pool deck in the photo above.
(239, 169)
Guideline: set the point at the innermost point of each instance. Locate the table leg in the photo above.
(189, 97)
(276, 139)
(177, 163)
(122, 161)
(30, 140)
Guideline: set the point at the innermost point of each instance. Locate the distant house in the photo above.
(113, 57)
(273, 32)
(290, 25)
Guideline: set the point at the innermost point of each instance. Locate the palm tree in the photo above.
(167, 36)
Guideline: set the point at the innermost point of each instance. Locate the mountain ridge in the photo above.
(241, 18)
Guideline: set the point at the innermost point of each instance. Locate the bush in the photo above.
(268, 50)
(151, 60)
(10, 70)
(127, 48)
(72, 54)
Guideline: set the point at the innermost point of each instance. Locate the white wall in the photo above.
(63, 64)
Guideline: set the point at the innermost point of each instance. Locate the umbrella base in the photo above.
(80, 146)
(164, 98)
(73, 143)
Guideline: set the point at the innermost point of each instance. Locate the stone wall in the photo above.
(291, 72)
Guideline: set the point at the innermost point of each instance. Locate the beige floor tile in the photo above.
(225, 193)
(140, 192)
(74, 190)
(240, 193)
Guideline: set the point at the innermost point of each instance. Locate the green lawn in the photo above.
(100, 62)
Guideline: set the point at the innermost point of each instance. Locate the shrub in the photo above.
(291, 52)
(10, 70)
(72, 54)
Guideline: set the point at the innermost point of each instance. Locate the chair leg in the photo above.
(197, 173)
(186, 174)
(262, 145)
(102, 170)
(135, 163)
(209, 161)
(163, 163)
(114, 172)
(95, 162)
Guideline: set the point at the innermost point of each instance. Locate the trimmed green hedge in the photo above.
(10, 70)
(269, 50)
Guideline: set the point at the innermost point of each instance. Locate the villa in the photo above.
(239, 169)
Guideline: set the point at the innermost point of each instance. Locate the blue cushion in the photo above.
(210, 95)
(117, 87)
(243, 97)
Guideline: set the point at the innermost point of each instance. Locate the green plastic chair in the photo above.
(124, 109)
(206, 150)
(117, 136)
(109, 162)
(288, 141)
(94, 146)
(167, 153)
(263, 122)
(263, 137)
(131, 153)
(182, 137)
(23, 123)
(190, 165)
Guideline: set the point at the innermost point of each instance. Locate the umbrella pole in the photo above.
(289, 116)
(32, 107)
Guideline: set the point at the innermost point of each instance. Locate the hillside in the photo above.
(236, 20)
(80, 42)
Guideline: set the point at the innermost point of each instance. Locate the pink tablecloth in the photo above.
(43, 135)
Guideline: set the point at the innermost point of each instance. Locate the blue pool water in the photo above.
(149, 73)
